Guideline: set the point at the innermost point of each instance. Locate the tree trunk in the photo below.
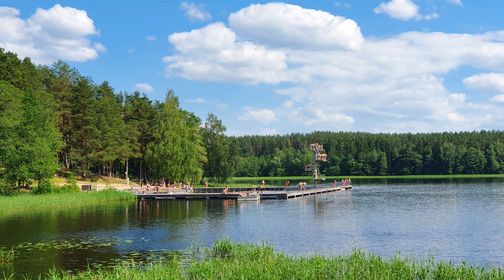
(126, 172)
(140, 175)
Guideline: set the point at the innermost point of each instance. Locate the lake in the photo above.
(448, 220)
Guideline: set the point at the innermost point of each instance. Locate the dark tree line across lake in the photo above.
(358, 153)
(55, 120)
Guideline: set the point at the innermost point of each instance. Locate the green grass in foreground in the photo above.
(455, 176)
(6, 257)
(227, 260)
(59, 201)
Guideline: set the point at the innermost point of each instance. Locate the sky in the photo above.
(284, 67)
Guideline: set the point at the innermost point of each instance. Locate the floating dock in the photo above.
(233, 193)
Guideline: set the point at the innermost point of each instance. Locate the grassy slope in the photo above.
(231, 261)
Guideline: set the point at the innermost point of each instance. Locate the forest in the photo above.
(55, 121)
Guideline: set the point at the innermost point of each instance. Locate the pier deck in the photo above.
(266, 193)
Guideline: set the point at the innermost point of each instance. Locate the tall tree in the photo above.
(112, 138)
(85, 134)
(222, 153)
(139, 117)
(29, 139)
(176, 151)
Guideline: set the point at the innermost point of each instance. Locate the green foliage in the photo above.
(176, 151)
(243, 261)
(70, 186)
(6, 188)
(222, 152)
(44, 186)
(367, 154)
(29, 139)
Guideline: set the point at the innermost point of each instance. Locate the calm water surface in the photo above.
(450, 221)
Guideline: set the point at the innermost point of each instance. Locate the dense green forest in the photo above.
(357, 153)
(53, 120)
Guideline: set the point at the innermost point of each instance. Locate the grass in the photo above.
(454, 176)
(6, 257)
(59, 201)
(227, 260)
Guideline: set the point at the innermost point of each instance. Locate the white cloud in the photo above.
(491, 82)
(212, 53)
(456, 2)
(403, 10)
(498, 98)
(457, 98)
(264, 116)
(151, 38)
(144, 87)
(49, 35)
(399, 9)
(195, 12)
(286, 25)
(391, 84)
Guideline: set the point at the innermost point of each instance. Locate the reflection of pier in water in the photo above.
(233, 193)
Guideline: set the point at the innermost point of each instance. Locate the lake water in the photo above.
(450, 221)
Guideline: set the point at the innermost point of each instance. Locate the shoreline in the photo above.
(412, 177)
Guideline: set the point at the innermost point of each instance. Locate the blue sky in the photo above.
(281, 67)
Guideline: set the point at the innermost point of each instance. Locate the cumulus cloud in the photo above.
(286, 25)
(195, 12)
(393, 83)
(144, 87)
(490, 82)
(49, 35)
(403, 10)
(264, 116)
(213, 53)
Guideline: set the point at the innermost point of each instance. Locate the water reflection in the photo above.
(451, 221)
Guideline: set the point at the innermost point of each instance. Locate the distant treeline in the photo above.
(358, 153)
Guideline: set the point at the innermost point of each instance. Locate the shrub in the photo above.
(44, 186)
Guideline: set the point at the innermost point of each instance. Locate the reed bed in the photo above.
(227, 260)
(25, 203)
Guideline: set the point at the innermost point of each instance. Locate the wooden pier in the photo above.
(233, 193)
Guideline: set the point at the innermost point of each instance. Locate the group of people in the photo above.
(344, 182)
(164, 187)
